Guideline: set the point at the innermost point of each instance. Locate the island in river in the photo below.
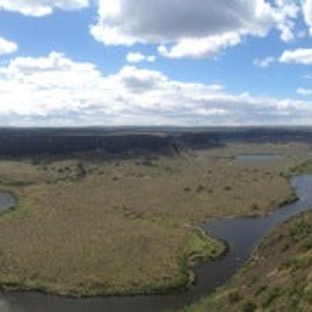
(113, 217)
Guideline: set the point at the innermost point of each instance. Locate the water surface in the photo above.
(7, 201)
(258, 157)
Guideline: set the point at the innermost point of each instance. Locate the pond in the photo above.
(258, 157)
(7, 201)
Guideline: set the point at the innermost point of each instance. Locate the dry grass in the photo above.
(124, 226)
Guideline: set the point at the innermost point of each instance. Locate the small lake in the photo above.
(241, 234)
(258, 157)
(7, 201)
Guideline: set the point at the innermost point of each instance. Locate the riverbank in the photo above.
(198, 247)
(276, 278)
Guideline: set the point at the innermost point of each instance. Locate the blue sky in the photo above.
(156, 62)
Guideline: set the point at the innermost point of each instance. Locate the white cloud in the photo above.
(264, 62)
(137, 57)
(216, 87)
(199, 48)
(307, 13)
(288, 13)
(197, 28)
(304, 91)
(7, 47)
(299, 56)
(41, 7)
(55, 90)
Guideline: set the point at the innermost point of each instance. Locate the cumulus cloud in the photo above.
(304, 91)
(298, 56)
(307, 13)
(7, 47)
(55, 90)
(197, 28)
(266, 62)
(199, 48)
(41, 8)
(288, 14)
(137, 57)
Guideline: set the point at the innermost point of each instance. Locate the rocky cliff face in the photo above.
(103, 143)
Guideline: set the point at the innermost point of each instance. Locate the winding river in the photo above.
(241, 234)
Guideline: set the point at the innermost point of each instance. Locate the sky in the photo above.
(155, 62)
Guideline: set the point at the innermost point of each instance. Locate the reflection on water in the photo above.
(241, 234)
(7, 201)
(258, 157)
(4, 306)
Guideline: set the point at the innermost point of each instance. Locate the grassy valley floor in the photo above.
(85, 227)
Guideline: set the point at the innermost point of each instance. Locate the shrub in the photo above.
(234, 296)
(248, 306)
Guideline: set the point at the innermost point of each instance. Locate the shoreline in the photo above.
(188, 266)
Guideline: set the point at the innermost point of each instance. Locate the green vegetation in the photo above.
(129, 226)
(303, 168)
